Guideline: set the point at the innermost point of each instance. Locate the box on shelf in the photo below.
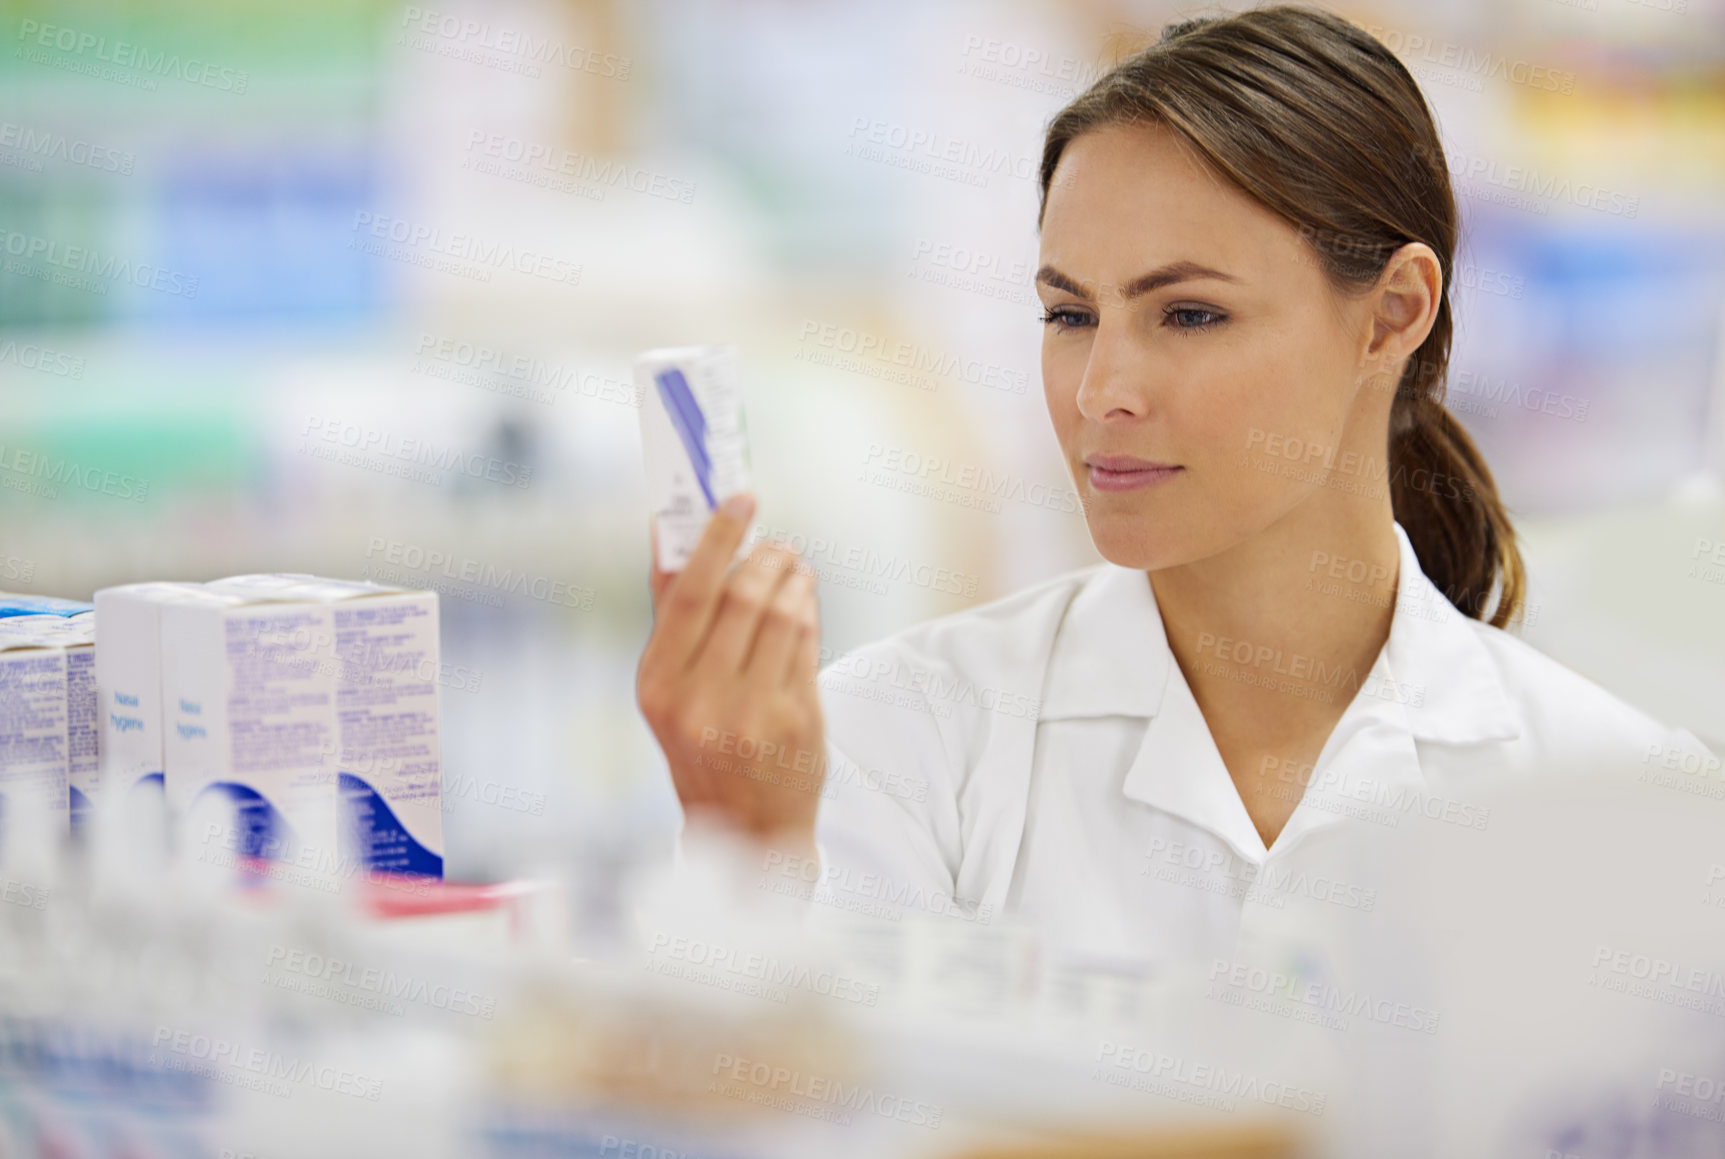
(377, 650)
(128, 668)
(34, 722)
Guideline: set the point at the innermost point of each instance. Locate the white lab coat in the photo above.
(1043, 755)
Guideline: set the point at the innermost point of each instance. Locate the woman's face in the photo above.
(1203, 378)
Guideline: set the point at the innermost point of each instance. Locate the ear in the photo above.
(1404, 305)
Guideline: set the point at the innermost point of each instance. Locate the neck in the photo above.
(1316, 586)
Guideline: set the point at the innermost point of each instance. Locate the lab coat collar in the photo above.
(1112, 658)
(1433, 680)
(1454, 693)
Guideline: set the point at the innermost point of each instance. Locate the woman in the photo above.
(1247, 244)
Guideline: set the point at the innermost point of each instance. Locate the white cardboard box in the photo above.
(249, 716)
(129, 683)
(384, 665)
(33, 717)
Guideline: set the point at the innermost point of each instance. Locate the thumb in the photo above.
(657, 581)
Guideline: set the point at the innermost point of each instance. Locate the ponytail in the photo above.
(1445, 499)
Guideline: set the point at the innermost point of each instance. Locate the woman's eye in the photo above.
(1065, 319)
(1190, 319)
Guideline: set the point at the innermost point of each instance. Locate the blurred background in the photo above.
(352, 288)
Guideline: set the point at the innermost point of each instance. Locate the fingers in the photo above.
(805, 662)
(751, 591)
(782, 625)
(691, 598)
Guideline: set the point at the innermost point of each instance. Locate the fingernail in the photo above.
(739, 506)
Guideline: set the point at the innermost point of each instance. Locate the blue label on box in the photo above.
(17, 605)
(380, 841)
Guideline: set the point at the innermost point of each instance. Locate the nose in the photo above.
(1113, 386)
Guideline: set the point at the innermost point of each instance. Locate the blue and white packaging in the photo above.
(694, 441)
(129, 683)
(33, 718)
(76, 636)
(37, 623)
(249, 695)
(385, 684)
(83, 734)
(24, 604)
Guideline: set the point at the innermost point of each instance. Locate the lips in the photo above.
(1127, 472)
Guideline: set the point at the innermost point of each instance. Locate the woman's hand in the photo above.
(727, 682)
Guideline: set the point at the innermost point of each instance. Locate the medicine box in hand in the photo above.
(694, 441)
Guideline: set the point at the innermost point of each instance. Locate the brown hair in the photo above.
(1318, 121)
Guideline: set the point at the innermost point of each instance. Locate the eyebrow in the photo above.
(1181, 271)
